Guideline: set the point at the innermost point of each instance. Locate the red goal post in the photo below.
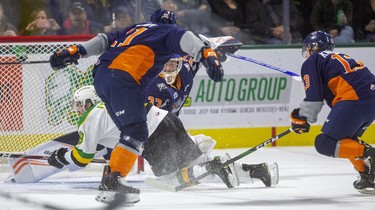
(35, 101)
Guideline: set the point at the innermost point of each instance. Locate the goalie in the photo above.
(173, 155)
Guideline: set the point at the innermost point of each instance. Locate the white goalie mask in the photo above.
(171, 69)
(84, 95)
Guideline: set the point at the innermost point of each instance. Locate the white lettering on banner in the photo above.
(241, 89)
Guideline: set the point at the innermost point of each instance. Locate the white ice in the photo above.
(308, 181)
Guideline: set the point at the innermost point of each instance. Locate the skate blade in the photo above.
(160, 184)
(108, 197)
(367, 191)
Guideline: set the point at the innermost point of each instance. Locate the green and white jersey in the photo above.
(95, 127)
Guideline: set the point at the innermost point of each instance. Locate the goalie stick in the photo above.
(38, 157)
(118, 202)
(168, 187)
(20, 199)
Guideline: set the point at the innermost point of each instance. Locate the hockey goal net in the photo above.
(35, 101)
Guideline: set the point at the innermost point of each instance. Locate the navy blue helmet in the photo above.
(163, 16)
(317, 41)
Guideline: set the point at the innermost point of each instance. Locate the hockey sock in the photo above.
(122, 161)
(352, 150)
(189, 173)
(185, 175)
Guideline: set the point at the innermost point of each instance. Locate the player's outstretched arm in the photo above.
(72, 54)
(201, 51)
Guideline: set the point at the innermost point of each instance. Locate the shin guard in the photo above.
(122, 161)
(352, 150)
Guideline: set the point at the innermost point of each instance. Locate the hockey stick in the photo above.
(294, 75)
(23, 62)
(19, 199)
(227, 45)
(38, 157)
(165, 186)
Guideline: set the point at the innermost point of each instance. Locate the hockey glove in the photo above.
(299, 124)
(68, 56)
(57, 158)
(213, 65)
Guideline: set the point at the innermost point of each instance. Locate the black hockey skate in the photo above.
(369, 159)
(259, 171)
(112, 188)
(363, 184)
(215, 166)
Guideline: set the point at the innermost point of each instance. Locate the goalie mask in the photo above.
(84, 98)
(171, 69)
(317, 41)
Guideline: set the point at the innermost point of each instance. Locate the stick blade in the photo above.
(160, 185)
(297, 78)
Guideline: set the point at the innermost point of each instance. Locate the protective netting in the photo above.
(35, 101)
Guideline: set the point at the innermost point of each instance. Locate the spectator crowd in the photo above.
(251, 21)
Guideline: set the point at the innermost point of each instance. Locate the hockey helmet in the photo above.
(84, 95)
(163, 16)
(317, 41)
(171, 69)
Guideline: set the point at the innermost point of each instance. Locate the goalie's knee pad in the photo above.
(325, 145)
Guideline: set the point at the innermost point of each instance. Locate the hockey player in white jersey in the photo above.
(173, 155)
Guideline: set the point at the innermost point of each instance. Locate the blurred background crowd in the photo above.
(251, 21)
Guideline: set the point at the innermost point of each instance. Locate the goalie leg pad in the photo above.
(170, 148)
(205, 143)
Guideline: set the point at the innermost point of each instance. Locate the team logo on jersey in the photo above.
(161, 86)
(372, 87)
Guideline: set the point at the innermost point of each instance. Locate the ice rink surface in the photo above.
(308, 181)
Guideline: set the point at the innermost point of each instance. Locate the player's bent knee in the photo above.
(325, 145)
(138, 131)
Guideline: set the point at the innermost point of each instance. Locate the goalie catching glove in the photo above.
(299, 123)
(214, 69)
(57, 158)
(68, 56)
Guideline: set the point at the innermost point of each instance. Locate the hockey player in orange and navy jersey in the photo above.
(348, 88)
(170, 90)
(130, 60)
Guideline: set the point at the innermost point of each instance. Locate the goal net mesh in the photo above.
(35, 101)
